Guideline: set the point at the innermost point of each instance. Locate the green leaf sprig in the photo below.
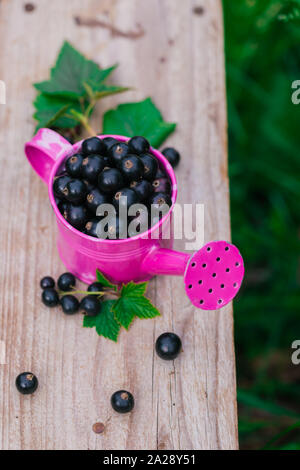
(67, 100)
(130, 302)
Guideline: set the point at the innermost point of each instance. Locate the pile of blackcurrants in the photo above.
(122, 174)
(89, 305)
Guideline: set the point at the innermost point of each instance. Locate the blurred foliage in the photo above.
(262, 41)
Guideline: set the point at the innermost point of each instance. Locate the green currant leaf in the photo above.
(105, 282)
(141, 118)
(89, 322)
(142, 307)
(123, 312)
(134, 290)
(70, 72)
(57, 117)
(133, 303)
(105, 322)
(52, 111)
(127, 307)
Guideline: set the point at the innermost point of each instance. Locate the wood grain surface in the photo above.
(171, 50)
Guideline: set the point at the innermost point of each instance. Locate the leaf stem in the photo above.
(88, 127)
(98, 293)
(89, 108)
(84, 121)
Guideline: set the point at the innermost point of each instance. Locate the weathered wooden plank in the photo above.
(174, 53)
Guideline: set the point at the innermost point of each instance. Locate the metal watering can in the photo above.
(212, 275)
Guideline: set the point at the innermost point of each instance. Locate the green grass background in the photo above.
(262, 40)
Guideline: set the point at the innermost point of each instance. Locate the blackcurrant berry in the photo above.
(107, 161)
(75, 191)
(124, 198)
(161, 185)
(63, 206)
(122, 401)
(90, 305)
(50, 297)
(160, 173)
(142, 188)
(94, 199)
(117, 152)
(73, 165)
(109, 142)
(69, 304)
(159, 199)
(168, 346)
(150, 166)
(93, 145)
(138, 144)
(91, 227)
(76, 215)
(59, 185)
(47, 282)
(66, 281)
(172, 155)
(91, 167)
(110, 180)
(89, 186)
(27, 383)
(95, 287)
(57, 200)
(131, 167)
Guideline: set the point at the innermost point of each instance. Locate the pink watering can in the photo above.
(212, 275)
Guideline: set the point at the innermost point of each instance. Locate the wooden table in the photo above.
(177, 58)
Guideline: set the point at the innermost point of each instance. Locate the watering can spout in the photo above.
(212, 276)
(164, 261)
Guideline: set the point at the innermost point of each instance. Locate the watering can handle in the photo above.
(44, 149)
(212, 276)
